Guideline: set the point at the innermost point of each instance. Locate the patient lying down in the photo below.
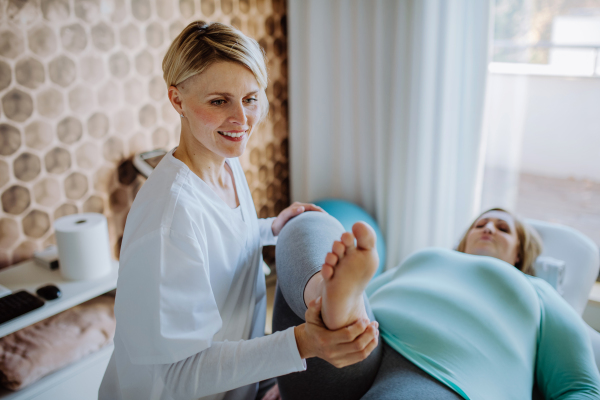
(456, 324)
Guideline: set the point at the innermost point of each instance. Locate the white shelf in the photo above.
(29, 276)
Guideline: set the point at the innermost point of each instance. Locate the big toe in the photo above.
(365, 235)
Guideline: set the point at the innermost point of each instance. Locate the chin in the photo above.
(237, 152)
(483, 252)
(231, 149)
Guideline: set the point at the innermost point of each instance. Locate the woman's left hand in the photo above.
(289, 213)
(272, 394)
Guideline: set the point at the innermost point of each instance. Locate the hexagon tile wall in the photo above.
(81, 90)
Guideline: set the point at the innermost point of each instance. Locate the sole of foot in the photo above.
(347, 270)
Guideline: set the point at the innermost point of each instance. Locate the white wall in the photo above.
(559, 119)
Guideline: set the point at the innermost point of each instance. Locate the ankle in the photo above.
(338, 318)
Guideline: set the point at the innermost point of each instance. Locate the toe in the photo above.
(338, 249)
(327, 272)
(348, 240)
(365, 235)
(331, 259)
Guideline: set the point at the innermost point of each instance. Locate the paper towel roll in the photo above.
(83, 249)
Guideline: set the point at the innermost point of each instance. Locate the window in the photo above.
(547, 37)
(541, 123)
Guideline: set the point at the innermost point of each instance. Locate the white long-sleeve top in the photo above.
(191, 295)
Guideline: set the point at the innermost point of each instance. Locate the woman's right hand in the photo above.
(343, 347)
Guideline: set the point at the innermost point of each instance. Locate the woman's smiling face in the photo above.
(221, 107)
(494, 234)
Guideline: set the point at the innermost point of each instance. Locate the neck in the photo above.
(200, 160)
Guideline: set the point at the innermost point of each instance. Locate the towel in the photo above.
(42, 348)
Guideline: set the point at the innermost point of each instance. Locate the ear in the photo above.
(176, 98)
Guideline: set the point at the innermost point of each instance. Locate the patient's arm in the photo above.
(565, 367)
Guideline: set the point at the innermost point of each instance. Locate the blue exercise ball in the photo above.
(348, 214)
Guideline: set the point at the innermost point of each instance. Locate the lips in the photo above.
(233, 135)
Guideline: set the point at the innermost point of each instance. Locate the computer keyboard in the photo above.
(16, 304)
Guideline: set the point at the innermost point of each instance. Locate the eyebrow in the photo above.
(225, 94)
(499, 220)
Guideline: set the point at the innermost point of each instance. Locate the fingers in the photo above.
(284, 216)
(357, 350)
(309, 207)
(290, 212)
(362, 341)
(358, 356)
(342, 347)
(313, 313)
(350, 333)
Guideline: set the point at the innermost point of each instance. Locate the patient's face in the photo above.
(494, 234)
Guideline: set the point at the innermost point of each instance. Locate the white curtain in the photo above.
(503, 128)
(386, 103)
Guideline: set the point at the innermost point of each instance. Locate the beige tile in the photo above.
(15, 199)
(69, 130)
(26, 167)
(73, 38)
(103, 37)
(42, 40)
(29, 72)
(5, 75)
(10, 139)
(55, 10)
(57, 160)
(62, 71)
(17, 105)
(11, 44)
(36, 223)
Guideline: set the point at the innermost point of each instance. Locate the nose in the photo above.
(489, 227)
(238, 114)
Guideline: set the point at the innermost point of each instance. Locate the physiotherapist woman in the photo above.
(191, 295)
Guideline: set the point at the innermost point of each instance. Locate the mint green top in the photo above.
(483, 328)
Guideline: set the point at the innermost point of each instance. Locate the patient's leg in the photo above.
(301, 249)
(309, 242)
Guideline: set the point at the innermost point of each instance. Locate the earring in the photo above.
(181, 115)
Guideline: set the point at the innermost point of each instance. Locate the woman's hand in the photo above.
(272, 394)
(289, 213)
(343, 347)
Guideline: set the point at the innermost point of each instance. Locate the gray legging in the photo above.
(385, 374)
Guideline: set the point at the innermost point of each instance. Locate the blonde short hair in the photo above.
(201, 44)
(530, 242)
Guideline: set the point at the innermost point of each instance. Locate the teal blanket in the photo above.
(483, 328)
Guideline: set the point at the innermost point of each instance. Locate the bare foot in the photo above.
(345, 275)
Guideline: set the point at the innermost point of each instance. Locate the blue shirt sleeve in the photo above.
(565, 366)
